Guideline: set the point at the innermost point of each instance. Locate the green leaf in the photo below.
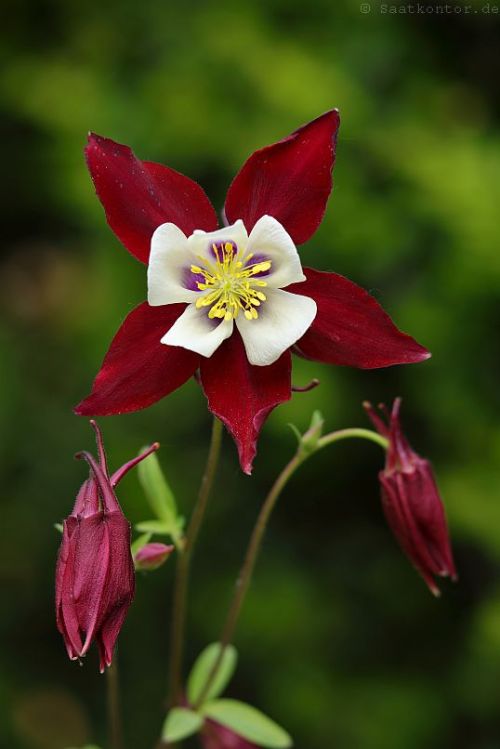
(317, 420)
(159, 527)
(160, 495)
(180, 723)
(248, 722)
(203, 668)
(296, 432)
(139, 542)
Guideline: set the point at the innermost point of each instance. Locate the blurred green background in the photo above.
(340, 641)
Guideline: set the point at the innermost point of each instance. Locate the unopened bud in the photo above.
(95, 574)
(151, 556)
(411, 501)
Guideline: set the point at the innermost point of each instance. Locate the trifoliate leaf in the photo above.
(248, 722)
(180, 723)
(202, 669)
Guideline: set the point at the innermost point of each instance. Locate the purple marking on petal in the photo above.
(259, 259)
(190, 279)
(220, 247)
(214, 321)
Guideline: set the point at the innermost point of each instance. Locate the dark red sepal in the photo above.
(138, 196)
(290, 180)
(351, 328)
(243, 395)
(138, 369)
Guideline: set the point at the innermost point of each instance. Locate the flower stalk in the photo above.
(353, 432)
(305, 449)
(181, 583)
(113, 706)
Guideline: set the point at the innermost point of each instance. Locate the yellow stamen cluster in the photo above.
(230, 283)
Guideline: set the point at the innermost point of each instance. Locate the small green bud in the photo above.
(309, 440)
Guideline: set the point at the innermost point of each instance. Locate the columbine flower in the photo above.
(411, 502)
(152, 555)
(232, 302)
(231, 279)
(95, 573)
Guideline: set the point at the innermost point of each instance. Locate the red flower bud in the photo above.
(151, 556)
(411, 502)
(95, 572)
(216, 736)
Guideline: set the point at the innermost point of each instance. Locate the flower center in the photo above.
(231, 282)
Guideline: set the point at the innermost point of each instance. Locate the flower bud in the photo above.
(216, 736)
(151, 556)
(309, 440)
(95, 578)
(411, 502)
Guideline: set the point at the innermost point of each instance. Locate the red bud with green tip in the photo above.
(95, 579)
(411, 502)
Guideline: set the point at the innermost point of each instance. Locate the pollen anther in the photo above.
(229, 282)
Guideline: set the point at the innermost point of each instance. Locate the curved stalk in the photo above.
(246, 572)
(342, 434)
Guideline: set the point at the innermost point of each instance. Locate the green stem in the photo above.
(113, 707)
(342, 434)
(246, 572)
(181, 584)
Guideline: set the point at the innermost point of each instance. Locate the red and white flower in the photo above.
(231, 303)
(231, 279)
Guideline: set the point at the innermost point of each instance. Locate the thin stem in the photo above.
(246, 572)
(181, 584)
(114, 713)
(342, 434)
(248, 566)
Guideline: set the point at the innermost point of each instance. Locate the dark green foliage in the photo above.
(340, 641)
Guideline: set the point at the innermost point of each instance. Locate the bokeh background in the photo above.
(340, 641)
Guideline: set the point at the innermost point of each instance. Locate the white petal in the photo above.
(268, 237)
(169, 260)
(283, 319)
(195, 331)
(200, 242)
